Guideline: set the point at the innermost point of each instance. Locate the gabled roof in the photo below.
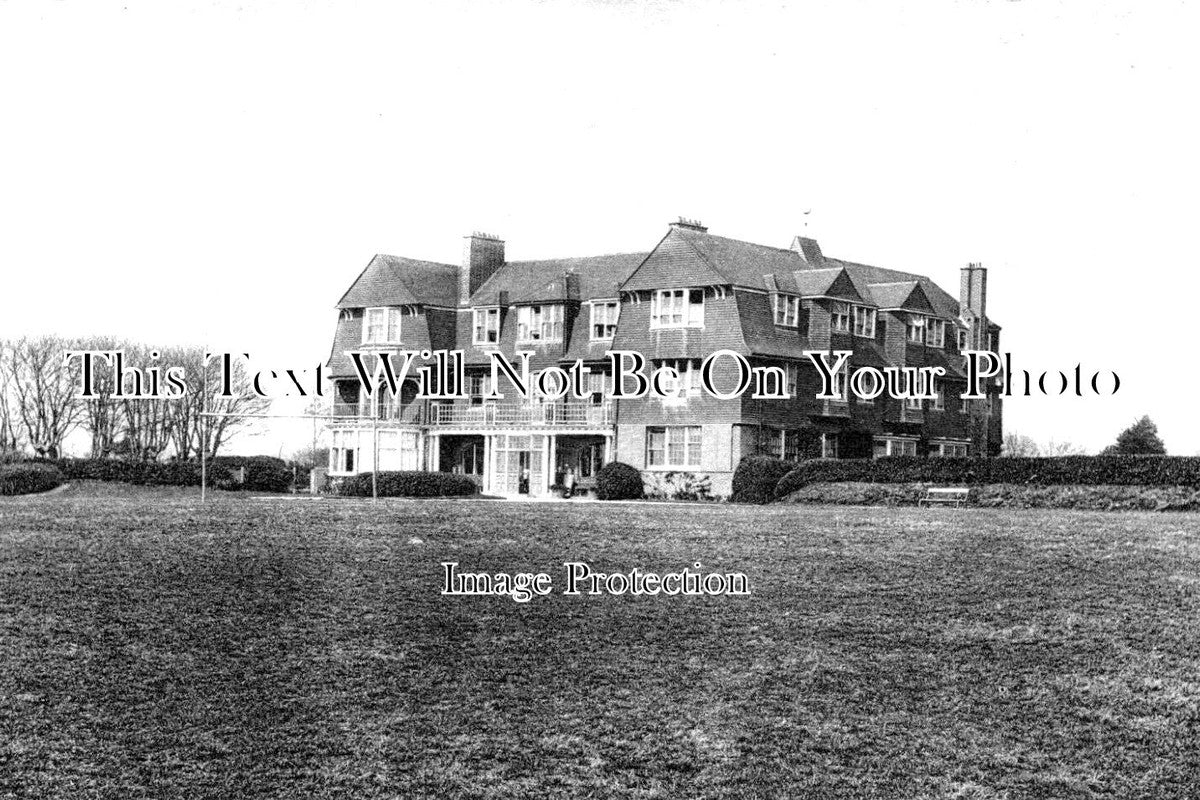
(944, 305)
(544, 281)
(907, 295)
(827, 282)
(396, 281)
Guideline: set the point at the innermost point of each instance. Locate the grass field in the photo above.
(154, 647)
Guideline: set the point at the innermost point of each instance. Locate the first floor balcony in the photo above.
(521, 415)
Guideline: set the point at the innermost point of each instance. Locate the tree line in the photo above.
(40, 404)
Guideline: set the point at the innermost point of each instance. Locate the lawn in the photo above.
(154, 647)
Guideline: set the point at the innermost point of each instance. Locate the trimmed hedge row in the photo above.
(410, 484)
(1055, 471)
(262, 473)
(619, 481)
(29, 478)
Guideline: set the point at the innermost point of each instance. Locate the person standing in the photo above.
(569, 482)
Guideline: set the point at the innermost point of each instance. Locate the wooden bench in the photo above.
(945, 494)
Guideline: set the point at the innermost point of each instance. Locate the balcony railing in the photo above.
(499, 415)
(410, 414)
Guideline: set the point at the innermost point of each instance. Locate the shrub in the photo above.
(29, 478)
(410, 484)
(262, 473)
(619, 481)
(1059, 471)
(756, 477)
(679, 486)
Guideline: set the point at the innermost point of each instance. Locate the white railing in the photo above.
(492, 415)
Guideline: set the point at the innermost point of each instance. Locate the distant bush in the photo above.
(29, 478)
(262, 473)
(410, 484)
(756, 477)
(619, 481)
(1060, 471)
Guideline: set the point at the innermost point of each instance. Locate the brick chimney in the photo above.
(483, 254)
(972, 303)
(689, 224)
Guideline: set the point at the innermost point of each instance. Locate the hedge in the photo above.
(1056, 471)
(756, 477)
(262, 473)
(410, 484)
(619, 481)
(29, 478)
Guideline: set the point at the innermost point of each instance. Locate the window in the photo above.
(478, 387)
(787, 310)
(791, 446)
(342, 451)
(948, 450)
(688, 371)
(916, 328)
(677, 308)
(829, 445)
(912, 403)
(864, 322)
(939, 402)
(595, 385)
(792, 370)
(675, 446)
(841, 382)
(962, 338)
(964, 405)
(604, 319)
(397, 450)
(895, 447)
(381, 325)
(935, 332)
(772, 443)
(487, 325)
(539, 324)
(839, 321)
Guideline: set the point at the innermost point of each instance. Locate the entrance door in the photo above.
(518, 465)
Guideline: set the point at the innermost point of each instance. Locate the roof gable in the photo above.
(907, 295)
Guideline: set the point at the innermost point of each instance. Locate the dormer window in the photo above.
(864, 322)
(677, 308)
(962, 338)
(916, 328)
(935, 332)
(604, 319)
(787, 310)
(487, 325)
(381, 326)
(539, 324)
(839, 320)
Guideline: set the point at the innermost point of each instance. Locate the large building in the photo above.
(693, 294)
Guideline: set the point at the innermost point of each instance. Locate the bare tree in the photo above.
(146, 422)
(1018, 445)
(226, 416)
(44, 387)
(1054, 449)
(9, 440)
(103, 418)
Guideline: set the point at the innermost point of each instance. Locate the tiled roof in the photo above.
(901, 294)
(396, 281)
(533, 281)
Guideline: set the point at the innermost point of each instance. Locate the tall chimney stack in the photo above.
(972, 303)
(483, 254)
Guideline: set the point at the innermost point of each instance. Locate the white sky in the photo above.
(222, 172)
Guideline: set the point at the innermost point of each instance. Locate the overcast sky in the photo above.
(222, 172)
